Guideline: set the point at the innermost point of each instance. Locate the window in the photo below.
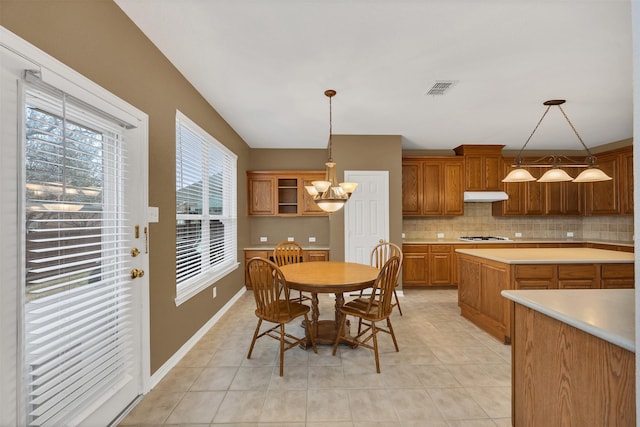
(206, 214)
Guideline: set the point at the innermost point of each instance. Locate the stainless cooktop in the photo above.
(481, 238)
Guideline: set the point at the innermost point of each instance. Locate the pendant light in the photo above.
(555, 163)
(328, 194)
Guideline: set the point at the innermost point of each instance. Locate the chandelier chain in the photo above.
(575, 131)
(519, 156)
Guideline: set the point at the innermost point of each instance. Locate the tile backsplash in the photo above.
(478, 221)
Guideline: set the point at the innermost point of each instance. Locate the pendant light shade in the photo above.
(519, 175)
(555, 175)
(592, 174)
(328, 194)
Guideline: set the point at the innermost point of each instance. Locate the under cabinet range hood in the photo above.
(485, 196)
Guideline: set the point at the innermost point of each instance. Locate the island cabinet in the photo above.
(282, 193)
(485, 273)
(483, 167)
(432, 186)
(572, 358)
(267, 253)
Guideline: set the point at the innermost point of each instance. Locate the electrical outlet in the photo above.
(518, 234)
(215, 291)
(440, 235)
(290, 239)
(403, 235)
(312, 239)
(569, 233)
(263, 239)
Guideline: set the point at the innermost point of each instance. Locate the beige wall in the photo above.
(98, 40)
(368, 153)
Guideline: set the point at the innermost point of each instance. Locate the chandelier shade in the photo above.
(555, 163)
(329, 195)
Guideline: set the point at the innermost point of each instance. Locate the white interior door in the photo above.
(366, 214)
(74, 194)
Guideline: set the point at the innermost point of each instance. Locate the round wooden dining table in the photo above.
(328, 277)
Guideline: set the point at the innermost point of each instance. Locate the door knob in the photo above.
(135, 273)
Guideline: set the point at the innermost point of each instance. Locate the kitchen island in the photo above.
(573, 357)
(485, 273)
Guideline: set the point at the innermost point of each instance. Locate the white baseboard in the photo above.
(178, 355)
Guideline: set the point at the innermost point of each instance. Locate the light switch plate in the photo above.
(153, 214)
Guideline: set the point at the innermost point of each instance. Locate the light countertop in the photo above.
(608, 314)
(551, 255)
(454, 241)
(269, 247)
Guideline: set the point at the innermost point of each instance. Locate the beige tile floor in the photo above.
(447, 373)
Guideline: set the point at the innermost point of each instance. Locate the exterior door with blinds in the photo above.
(80, 197)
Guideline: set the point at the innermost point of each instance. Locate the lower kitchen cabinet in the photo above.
(429, 265)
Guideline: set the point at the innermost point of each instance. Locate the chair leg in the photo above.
(255, 335)
(375, 345)
(281, 349)
(339, 332)
(397, 301)
(393, 335)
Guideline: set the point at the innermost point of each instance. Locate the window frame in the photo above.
(208, 275)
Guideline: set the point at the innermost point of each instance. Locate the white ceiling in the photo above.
(264, 66)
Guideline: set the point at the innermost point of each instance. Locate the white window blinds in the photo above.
(206, 214)
(77, 296)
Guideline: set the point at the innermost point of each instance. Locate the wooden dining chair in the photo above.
(380, 254)
(273, 305)
(289, 253)
(371, 311)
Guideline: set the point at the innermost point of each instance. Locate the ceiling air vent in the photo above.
(440, 87)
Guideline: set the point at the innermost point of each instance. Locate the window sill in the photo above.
(202, 283)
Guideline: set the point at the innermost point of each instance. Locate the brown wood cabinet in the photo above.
(308, 255)
(436, 264)
(603, 198)
(415, 264)
(564, 376)
(482, 280)
(626, 181)
(613, 197)
(483, 166)
(282, 193)
(432, 186)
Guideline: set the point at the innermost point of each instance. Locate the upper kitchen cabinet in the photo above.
(432, 186)
(603, 198)
(282, 193)
(626, 173)
(613, 197)
(482, 167)
(525, 198)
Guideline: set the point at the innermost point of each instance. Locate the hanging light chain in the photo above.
(575, 131)
(519, 157)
